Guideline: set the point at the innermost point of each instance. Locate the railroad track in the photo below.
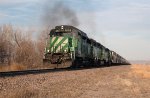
(26, 72)
(39, 71)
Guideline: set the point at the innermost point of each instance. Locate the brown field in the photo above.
(13, 67)
(128, 81)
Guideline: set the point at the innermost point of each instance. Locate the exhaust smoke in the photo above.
(59, 13)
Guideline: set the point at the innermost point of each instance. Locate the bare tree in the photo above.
(17, 46)
(6, 44)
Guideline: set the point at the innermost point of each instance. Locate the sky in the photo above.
(120, 25)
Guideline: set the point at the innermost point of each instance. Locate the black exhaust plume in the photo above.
(58, 13)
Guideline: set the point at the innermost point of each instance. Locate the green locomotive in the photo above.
(70, 47)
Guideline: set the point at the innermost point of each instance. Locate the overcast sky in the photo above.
(120, 25)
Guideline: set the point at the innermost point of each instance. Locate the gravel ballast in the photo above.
(127, 81)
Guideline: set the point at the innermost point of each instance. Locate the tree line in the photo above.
(17, 46)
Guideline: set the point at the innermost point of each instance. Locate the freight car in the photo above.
(70, 47)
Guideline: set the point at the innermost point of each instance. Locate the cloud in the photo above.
(16, 1)
(127, 20)
(19, 12)
(2, 15)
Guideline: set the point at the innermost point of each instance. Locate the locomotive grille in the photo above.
(58, 44)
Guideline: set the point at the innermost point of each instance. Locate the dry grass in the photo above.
(25, 93)
(13, 67)
(141, 70)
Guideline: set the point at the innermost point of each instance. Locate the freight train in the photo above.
(70, 47)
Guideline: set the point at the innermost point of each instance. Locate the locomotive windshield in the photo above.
(61, 31)
(53, 34)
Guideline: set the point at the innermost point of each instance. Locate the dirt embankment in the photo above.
(109, 82)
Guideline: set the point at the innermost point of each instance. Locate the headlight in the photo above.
(48, 50)
(62, 27)
(65, 50)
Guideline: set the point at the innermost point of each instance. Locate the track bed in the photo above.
(108, 82)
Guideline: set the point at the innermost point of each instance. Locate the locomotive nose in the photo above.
(59, 44)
